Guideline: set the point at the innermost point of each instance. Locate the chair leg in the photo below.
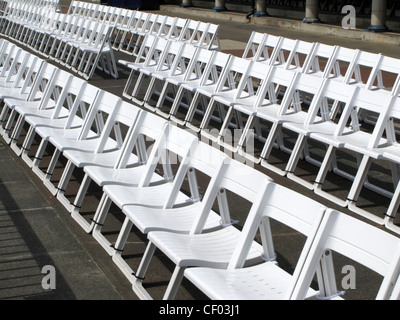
(62, 185)
(269, 143)
(119, 247)
(98, 222)
(141, 272)
(78, 203)
(174, 283)
(38, 157)
(355, 190)
(294, 159)
(323, 171)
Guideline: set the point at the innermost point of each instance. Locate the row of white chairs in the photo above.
(108, 139)
(314, 91)
(129, 35)
(81, 43)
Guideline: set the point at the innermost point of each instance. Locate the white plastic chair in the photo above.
(183, 60)
(265, 281)
(84, 101)
(141, 191)
(33, 97)
(230, 84)
(268, 108)
(214, 66)
(203, 159)
(146, 127)
(361, 242)
(21, 88)
(318, 116)
(212, 249)
(137, 24)
(190, 79)
(347, 135)
(149, 56)
(256, 39)
(64, 115)
(49, 106)
(166, 62)
(104, 113)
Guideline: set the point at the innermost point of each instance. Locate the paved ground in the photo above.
(37, 233)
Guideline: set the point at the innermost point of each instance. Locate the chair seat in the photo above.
(391, 152)
(126, 176)
(60, 122)
(212, 249)
(152, 196)
(172, 220)
(103, 159)
(64, 143)
(265, 281)
(47, 132)
(11, 93)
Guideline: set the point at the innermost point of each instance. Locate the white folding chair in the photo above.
(256, 39)
(246, 95)
(272, 111)
(346, 135)
(318, 116)
(129, 40)
(187, 67)
(179, 63)
(203, 73)
(123, 35)
(141, 191)
(187, 250)
(66, 114)
(104, 113)
(186, 84)
(21, 87)
(167, 56)
(49, 106)
(361, 243)
(230, 83)
(150, 56)
(267, 280)
(33, 96)
(97, 54)
(203, 159)
(84, 99)
(122, 171)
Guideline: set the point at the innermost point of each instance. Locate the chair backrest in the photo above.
(175, 144)
(56, 92)
(84, 96)
(237, 178)
(292, 54)
(361, 242)
(177, 28)
(236, 69)
(198, 64)
(267, 47)
(290, 208)
(361, 68)
(340, 63)
(386, 75)
(215, 68)
(100, 117)
(183, 57)
(319, 59)
(42, 80)
(256, 39)
(148, 128)
(378, 103)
